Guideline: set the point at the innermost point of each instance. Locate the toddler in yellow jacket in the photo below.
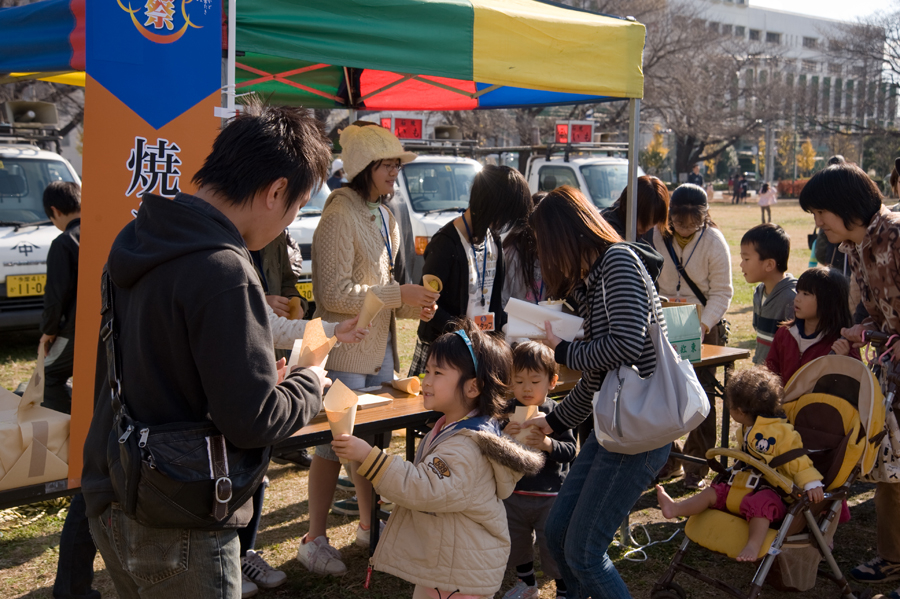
(754, 397)
(448, 532)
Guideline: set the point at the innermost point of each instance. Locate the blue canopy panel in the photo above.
(43, 37)
(518, 97)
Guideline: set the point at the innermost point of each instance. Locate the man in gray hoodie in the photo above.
(765, 250)
(193, 342)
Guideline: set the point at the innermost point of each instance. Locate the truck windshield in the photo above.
(433, 187)
(22, 184)
(316, 202)
(605, 182)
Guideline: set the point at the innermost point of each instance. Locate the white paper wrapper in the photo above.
(412, 385)
(340, 410)
(522, 414)
(527, 320)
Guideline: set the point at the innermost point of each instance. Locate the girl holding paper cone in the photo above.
(448, 533)
(581, 255)
(355, 253)
(467, 256)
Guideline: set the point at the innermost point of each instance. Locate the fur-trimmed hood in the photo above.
(509, 460)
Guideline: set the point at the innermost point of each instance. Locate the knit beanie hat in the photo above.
(364, 145)
(688, 194)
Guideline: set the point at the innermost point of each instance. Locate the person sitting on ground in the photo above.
(535, 374)
(754, 397)
(765, 250)
(448, 533)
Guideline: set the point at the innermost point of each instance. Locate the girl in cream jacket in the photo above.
(448, 532)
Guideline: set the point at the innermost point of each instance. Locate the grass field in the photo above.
(28, 554)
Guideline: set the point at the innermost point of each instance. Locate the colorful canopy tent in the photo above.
(381, 54)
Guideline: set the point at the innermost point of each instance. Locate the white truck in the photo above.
(429, 192)
(600, 178)
(25, 231)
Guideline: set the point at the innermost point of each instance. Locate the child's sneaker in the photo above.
(895, 594)
(248, 587)
(364, 536)
(522, 591)
(876, 570)
(346, 507)
(345, 482)
(320, 558)
(260, 572)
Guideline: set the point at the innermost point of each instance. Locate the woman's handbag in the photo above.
(175, 475)
(634, 414)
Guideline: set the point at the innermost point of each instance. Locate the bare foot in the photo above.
(750, 553)
(666, 503)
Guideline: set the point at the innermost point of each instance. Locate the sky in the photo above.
(832, 9)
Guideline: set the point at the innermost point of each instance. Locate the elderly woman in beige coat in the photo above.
(355, 251)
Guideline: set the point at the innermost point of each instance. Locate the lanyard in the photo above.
(540, 293)
(684, 264)
(482, 280)
(385, 237)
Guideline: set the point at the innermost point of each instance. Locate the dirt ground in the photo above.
(29, 552)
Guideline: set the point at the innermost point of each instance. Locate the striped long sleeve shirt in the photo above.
(615, 327)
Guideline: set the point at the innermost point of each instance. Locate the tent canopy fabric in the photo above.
(383, 54)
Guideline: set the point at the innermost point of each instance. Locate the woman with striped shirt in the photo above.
(585, 259)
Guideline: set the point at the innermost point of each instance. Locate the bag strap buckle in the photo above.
(223, 485)
(218, 459)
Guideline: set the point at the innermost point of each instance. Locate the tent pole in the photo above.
(634, 127)
(232, 56)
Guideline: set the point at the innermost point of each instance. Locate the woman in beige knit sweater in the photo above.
(355, 250)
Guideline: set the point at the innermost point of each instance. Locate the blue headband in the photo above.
(468, 341)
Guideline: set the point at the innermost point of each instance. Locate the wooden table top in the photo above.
(404, 409)
(710, 355)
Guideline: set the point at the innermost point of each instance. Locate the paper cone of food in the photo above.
(316, 344)
(411, 385)
(372, 305)
(340, 410)
(295, 309)
(522, 414)
(432, 282)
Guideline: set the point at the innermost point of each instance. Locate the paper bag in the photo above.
(312, 349)
(372, 305)
(411, 385)
(527, 320)
(340, 410)
(295, 309)
(34, 441)
(432, 282)
(522, 414)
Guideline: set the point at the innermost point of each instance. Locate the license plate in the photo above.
(306, 291)
(24, 285)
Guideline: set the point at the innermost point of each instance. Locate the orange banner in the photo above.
(124, 158)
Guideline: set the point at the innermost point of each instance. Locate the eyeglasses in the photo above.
(389, 166)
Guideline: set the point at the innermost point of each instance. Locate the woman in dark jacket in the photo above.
(581, 255)
(467, 256)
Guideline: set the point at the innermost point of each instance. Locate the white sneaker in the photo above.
(364, 537)
(260, 572)
(320, 558)
(248, 587)
(522, 591)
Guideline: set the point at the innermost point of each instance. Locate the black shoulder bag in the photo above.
(175, 475)
(722, 327)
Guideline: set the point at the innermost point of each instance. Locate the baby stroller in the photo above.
(836, 404)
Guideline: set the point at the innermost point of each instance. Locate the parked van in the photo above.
(25, 231)
(600, 178)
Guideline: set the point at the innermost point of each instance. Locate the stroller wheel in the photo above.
(672, 590)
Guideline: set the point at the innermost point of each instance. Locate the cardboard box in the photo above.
(683, 329)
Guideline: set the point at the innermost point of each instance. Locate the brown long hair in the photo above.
(569, 230)
(652, 203)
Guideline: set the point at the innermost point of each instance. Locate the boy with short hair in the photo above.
(62, 203)
(765, 250)
(535, 374)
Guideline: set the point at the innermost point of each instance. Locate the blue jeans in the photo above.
(165, 563)
(600, 490)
